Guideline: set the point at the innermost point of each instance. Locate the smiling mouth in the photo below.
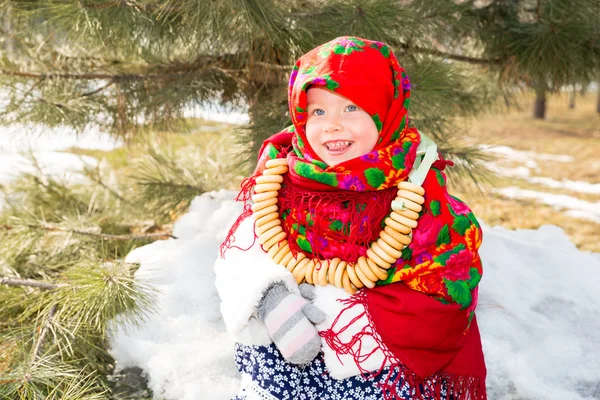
(338, 146)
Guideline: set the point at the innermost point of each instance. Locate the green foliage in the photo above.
(64, 282)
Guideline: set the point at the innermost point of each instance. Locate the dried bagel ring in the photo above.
(276, 162)
(381, 273)
(381, 253)
(395, 253)
(266, 187)
(412, 187)
(411, 205)
(363, 277)
(286, 259)
(265, 227)
(266, 211)
(323, 272)
(397, 226)
(262, 204)
(274, 240)
(378, 260)
(294, 261)
(333, 263)
(347, 285)
(258, 197)
(390, 240)
(269, 179)
(411, 223)
(408, 214)
(361, 263)
(315, 274)
(273, 251)
(339, 273)
(280, 170)
(406, 194)
(283, 251)
(405, 240)
(265, 237)
(265, 219)
(353, 277)
(308, 272)
(298, 270)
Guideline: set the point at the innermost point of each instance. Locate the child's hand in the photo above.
(289, 319)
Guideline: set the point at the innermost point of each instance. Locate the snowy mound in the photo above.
(539, 312)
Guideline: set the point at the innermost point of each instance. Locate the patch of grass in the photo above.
(573, 132)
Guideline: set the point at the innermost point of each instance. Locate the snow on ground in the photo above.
(517, 155)
(524, 172)
(55, 164)
(575, 207)
(46, 145)
(539, 312)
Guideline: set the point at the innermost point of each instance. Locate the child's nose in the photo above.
(332, 127)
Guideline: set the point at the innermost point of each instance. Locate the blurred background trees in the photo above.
(137, 67)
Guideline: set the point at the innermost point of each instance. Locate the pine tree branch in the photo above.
(29, 283)
(101, 88)
(38, 345)
(107, 236)
(450, 56)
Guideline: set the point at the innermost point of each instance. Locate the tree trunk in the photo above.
(539, 110)
(572, 95)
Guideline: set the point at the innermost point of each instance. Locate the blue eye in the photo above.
(352, 107)
(317, 111)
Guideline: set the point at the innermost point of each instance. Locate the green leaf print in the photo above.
(301, 229)
(396, 134)
(443, 258)
(434, 206)
(472, 218)
(331, 84)
(461, 224)
(439, 176)
(383, 49)
(299, 109)
(304, 244)
(402, 123)
(309, 171)
(406, 103)
(336, 225)
(475, 278)
(398, 159)
(352, 45)
(443, 236)
(320, 164)
(378, 122)
(375, 177)
(406, 253)
(272, 152)
(391, 273)
(459, 292)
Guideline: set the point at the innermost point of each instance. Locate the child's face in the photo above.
(336, 128)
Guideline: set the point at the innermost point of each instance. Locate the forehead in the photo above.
(319, 95)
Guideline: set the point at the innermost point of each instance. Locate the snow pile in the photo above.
(539, 312)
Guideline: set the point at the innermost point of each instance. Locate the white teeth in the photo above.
(337, 145)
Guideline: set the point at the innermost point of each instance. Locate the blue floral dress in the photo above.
(267, 376)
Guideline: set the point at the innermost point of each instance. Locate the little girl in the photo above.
(356, 277)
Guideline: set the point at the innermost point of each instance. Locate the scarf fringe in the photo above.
(460, 386)
(244, 195)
